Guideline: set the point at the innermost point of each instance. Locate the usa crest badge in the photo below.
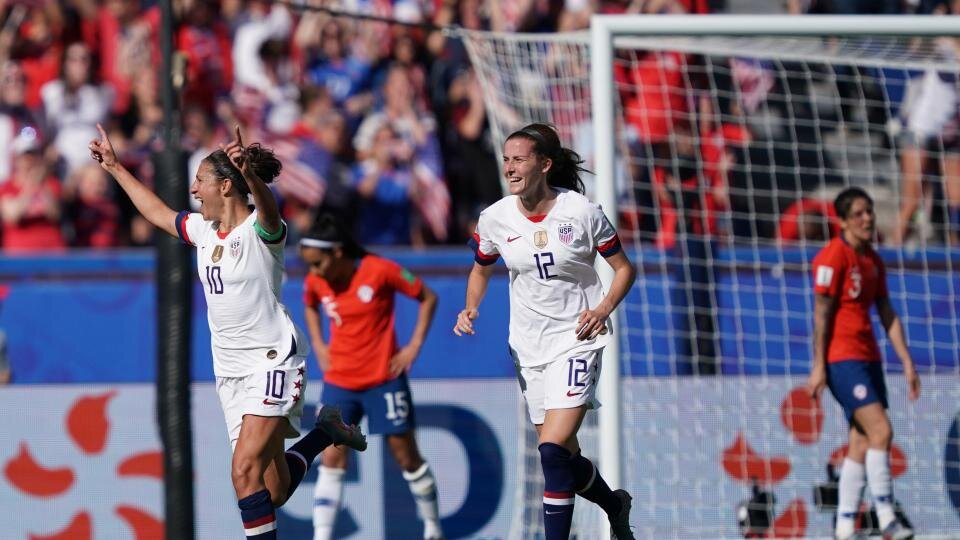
(217, 254)
(540, 239)
(565, 232)
(235, 248)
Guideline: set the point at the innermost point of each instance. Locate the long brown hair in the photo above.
(566, 169)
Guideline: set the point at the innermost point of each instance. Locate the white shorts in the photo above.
(564, 383)
(277, 391)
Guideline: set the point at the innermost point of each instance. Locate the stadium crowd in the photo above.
(382, 124)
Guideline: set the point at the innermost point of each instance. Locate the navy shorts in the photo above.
(856, 383)
(388, 407)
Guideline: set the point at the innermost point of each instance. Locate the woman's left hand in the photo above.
(235, 151)
(402, 361)
(591, 323)
(913, 384)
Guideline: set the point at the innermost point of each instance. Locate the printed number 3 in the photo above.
(397, 407)
(544, 262)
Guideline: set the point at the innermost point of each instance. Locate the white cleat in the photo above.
(330, 422)
(896, 530)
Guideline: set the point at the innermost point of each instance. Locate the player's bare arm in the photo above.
(146, 201)
(268, 214)
(407, 355)
(312, 318)
(823, 311)
(893, 326)
(593, 322)
(476, 289)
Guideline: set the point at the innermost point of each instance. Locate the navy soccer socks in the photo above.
(259, 519)
(302, 453)
(592, 487)
(558, 491)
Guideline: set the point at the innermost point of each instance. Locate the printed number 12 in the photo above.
(544, 262)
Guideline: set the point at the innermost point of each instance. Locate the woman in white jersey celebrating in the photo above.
(258, 353)
(548, 234)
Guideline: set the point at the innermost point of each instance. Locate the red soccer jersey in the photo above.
(362, 335)
(856, 280)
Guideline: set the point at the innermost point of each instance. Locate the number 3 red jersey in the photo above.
(362, 334)
(856, 281)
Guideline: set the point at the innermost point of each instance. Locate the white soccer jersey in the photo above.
(552, 278)
(241, 274)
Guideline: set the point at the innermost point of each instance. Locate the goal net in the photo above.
(729, 151)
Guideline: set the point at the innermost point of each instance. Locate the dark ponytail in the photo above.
(262, 160)
(565, 170)
(330, 229)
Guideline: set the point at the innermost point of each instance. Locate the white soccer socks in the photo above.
(424, 490)
(327, 495)
(850, 486)
(878, 478)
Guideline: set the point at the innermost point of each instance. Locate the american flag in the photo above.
(432, 199)
(297, 179)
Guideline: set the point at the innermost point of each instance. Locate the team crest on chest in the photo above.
(365, 293)
(217, 253)
(565, 233)
(540, 239)
(235, 248)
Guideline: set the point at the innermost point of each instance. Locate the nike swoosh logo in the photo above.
(512, 239)
(265, 402)
(551, 513)
(571, 394)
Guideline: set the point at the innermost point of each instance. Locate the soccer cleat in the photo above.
(330, 422)
(896, 530)
(620, 523)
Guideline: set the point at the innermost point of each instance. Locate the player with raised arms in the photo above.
(258, 353)
(364, 369)
(848, 279)
(549, 235)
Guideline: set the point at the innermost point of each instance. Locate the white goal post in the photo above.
(603, 30)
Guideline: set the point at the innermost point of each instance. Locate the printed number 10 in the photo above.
(544, 262)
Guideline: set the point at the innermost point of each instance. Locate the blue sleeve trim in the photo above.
(180, 224)
(480, 257)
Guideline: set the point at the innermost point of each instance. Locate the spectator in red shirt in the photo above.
(808, 219)
(30, 201)
(205, 41)
(94, 214)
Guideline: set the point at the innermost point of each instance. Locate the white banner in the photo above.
(83, 461)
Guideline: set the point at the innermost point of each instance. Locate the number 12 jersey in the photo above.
(552, 278)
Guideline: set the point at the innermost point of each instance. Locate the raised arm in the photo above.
(148, 204)
(476, 289)
(268, 214)
(891, 323)
(593, 322)
(823, 310)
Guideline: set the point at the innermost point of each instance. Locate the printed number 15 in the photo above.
(544, 262)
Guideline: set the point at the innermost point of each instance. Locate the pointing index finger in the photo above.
(239, 140)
